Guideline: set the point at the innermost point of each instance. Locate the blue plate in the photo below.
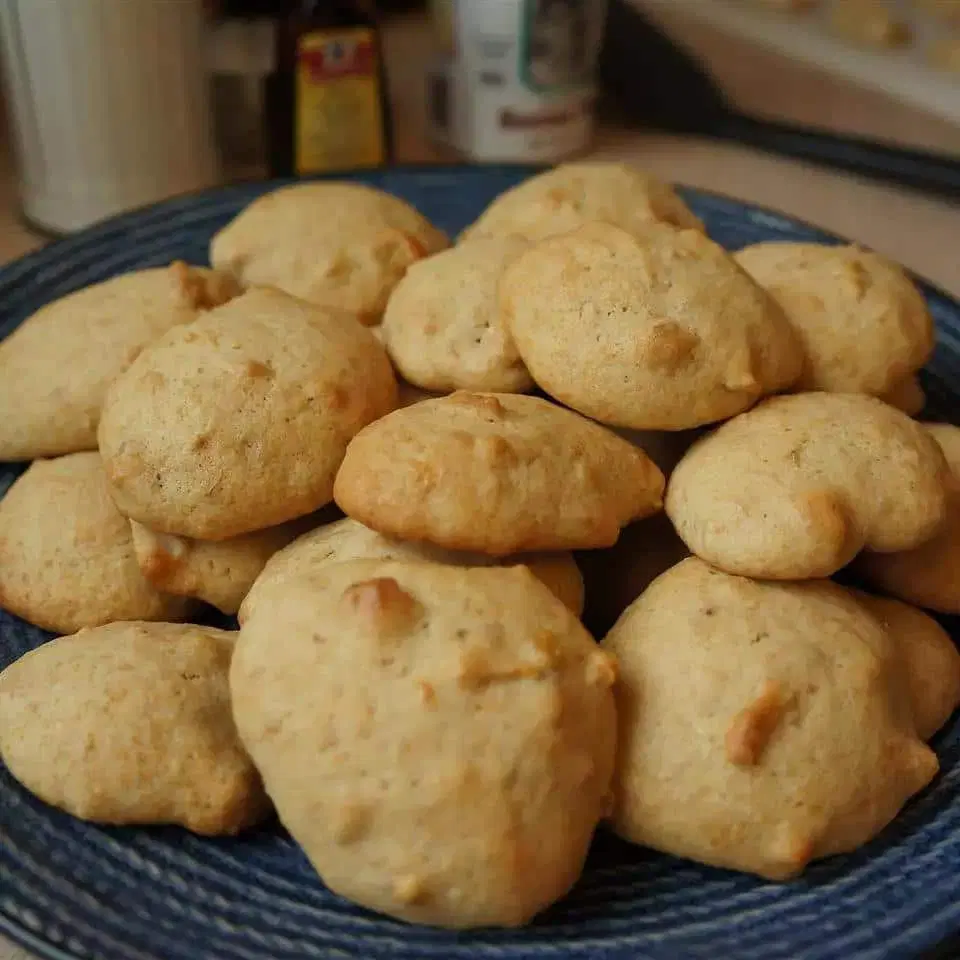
(68, 889)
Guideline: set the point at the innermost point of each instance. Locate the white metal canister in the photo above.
(515, 80)
(109, 102)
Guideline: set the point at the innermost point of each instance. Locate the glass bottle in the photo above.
(328, 101)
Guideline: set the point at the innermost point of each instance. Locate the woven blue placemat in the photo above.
(68, 889)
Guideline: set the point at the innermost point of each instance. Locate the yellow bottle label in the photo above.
(338, 117)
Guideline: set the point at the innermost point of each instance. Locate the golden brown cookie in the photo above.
(349, 540)
(572, 194)
(658, 331)
(865, 327)
(442, 326)
(339, 245)
(929, 659)
(66, 555)
(219, 572)
(56, 366)
(760, 725)
(239, 421)
(130, 723)
(929, 574)
(460, 783)
(497, 474)
(796, 487)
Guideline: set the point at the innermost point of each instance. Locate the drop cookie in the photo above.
(929, 658)
(239, 421)
(130, 723)
(929, 574)
(219, 572)
(347, 540)
(864, 326)
(659, 331)
(460, 784)
(796, 487)
(55, 367)
(760, 725)
(442, 326)
(573, 194)
(66, 555)
(338, 245)
(495, 473)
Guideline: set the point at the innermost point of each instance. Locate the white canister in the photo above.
(516, 79)
(109, 102)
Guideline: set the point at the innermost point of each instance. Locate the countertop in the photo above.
(918, 231)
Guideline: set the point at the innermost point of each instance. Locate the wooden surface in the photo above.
(920, 232)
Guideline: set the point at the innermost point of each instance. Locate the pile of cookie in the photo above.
(382, 452)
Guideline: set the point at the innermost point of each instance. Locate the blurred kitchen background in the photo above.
(112, 104)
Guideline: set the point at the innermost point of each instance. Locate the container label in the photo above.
(338, 119)
(520, 85)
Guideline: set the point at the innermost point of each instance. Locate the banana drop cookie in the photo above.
(460, 783)
(219, 572)
(760, 725)
(442, 326)
(339, 245)
(130, 723)
(239, 421)
(573, 194)
(349, 540)
(796, 487)
(55, 367)
(660, 330)
(67, 558)
(929, 658)
(929, 574)
(865, 327)
(497, 474)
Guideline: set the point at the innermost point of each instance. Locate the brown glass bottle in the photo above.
(327, 102)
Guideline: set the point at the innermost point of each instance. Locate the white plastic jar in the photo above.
(515, 80)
